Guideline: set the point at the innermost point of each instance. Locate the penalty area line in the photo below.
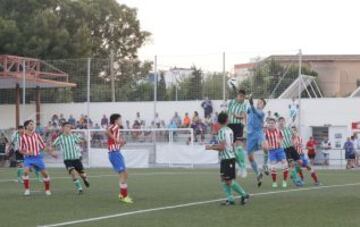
(190, 205)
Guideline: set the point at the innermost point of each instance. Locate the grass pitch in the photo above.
(157, 192)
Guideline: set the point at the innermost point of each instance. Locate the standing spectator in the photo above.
(176, 118)
(39, 129)
(207, 106)
(215, 117)
(55, 120)
(104, 122)
(72, 120)
(349, 153)
(186, 121)
(293, 110)
(326, 146)
(311, 146)
(157, 120)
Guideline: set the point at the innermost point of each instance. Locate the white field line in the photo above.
(188, 205)
(114, 175)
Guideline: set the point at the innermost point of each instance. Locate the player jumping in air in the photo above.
(115, 142)
(227, 162)
(277, 155)
(292, 155)
(68, 144)
(255, 134)
(305, 163)
(237, 117)
(30, 145)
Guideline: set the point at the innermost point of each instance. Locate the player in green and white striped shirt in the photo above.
(225, 148)
(292, 155)
(68, 142)
(236, 110)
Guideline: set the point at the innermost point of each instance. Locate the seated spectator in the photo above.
(97, 126)
(157, 120)
(176, 118)
(136, 134)
(172, 125)
(72, 120)
(62, 120)
(104, 122)
(138, 118)
(186, 121)
(55, 120)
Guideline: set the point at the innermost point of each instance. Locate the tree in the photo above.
(69, 29)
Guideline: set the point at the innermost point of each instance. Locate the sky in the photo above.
(187, 32)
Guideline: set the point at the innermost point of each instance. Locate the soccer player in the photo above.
(68, 144)
(115, 142)
(15, 140)
(225, 147)
(255, 134)
(30, 145)
(297, 140)
(292, 155)
(237, 117)
(277, 155)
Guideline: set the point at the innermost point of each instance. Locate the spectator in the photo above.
(196, 118)
(62, 120)
(215, 118)
(173, 125)
(176, 118)
(136, 134)
(326, 146)
(55, 120)
(186, 121)
(311, 146)
(72, 120)
(349, 153)
(293, 110)
(157, 120)
(39, 129)
(207, 106)
(138, 118)
(97, 126)
(104, 122)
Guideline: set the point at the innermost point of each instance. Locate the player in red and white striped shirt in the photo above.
(30, 146)
(276, 152)
(298, 143)
(115, 142)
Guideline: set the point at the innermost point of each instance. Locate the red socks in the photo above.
(47, 183)
(26, 182)
(286, 174)
(273, 175)
(301, 175)
(123, 190)
(313, 175)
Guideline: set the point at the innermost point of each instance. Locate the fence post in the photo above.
(155, 84)
(24, 92)
(112, 76)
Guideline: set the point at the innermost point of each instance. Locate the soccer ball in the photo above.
(232, 83)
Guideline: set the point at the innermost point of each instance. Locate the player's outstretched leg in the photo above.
(265, 165)
(26, 181)
(46, 180)
(85, 179)
(238, 189)
(285, 173)
(313, 176)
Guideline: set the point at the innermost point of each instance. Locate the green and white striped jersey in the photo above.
(226, 135)
(287, 137)
(235, 107)
(68, 145)
(15, 140)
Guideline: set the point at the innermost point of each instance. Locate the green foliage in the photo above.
(68, 29)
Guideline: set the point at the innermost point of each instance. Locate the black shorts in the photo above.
(349, 156)
(227, 169)
(74, 164)
(311, 156)
(292, 154)
(19, 157)
(238, 130)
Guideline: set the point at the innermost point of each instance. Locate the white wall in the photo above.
(314, 112)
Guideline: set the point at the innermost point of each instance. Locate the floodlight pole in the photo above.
(299, 91)
(24, 92)
(155, 84)
(112, 76)
(224, 77)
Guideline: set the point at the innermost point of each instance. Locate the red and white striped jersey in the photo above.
(115, 131)
(273, 138)
(298, 143)
(31, 144)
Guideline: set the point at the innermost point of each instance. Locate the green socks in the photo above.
(19, 172)
(78, 185)
(237, 188)
(228, 194)
(240, 157)
(266, 158)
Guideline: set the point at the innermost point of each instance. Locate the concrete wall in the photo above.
(315, 112)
